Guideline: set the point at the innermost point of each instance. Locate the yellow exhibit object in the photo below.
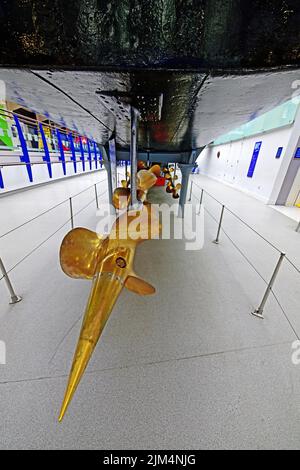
(172, 187)
(108, 262)
(121, 198)
(156, 170)
(145, 179)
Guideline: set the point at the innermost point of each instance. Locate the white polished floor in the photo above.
(189, 367)
(291, 212)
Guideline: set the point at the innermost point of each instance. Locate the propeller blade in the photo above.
(139, 286)
(78, 253)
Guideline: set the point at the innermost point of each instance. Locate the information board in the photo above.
(254, 158)
(279, 152)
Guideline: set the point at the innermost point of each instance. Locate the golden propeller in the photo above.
(109, 264)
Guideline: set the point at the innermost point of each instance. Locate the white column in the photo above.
(277, 195)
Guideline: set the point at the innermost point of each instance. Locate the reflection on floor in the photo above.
(186, 368)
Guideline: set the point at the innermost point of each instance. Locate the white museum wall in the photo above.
(233, 164)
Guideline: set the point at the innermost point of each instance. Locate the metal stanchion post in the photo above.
(14, 297)
(71, 212)
(298, 228)
(191, 191)
(96, 196)
(216, 241)
(201, 200)
(260, 310)
(135, 115)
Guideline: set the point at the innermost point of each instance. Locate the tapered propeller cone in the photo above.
(106, 289)
(83, 353)
(109, 262)
(104, 294)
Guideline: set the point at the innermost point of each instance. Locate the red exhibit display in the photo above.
(161, 181)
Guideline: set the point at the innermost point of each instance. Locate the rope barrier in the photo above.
(248, 226)
(294, 266)
(49, 210)
(240, 219)
(206, 192)
(256, 270)
(50, 236)
(238, 249)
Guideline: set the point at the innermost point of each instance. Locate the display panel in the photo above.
(254, 158)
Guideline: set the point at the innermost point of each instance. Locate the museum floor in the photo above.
(187, 368)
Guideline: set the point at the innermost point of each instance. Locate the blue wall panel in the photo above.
(254, 159)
